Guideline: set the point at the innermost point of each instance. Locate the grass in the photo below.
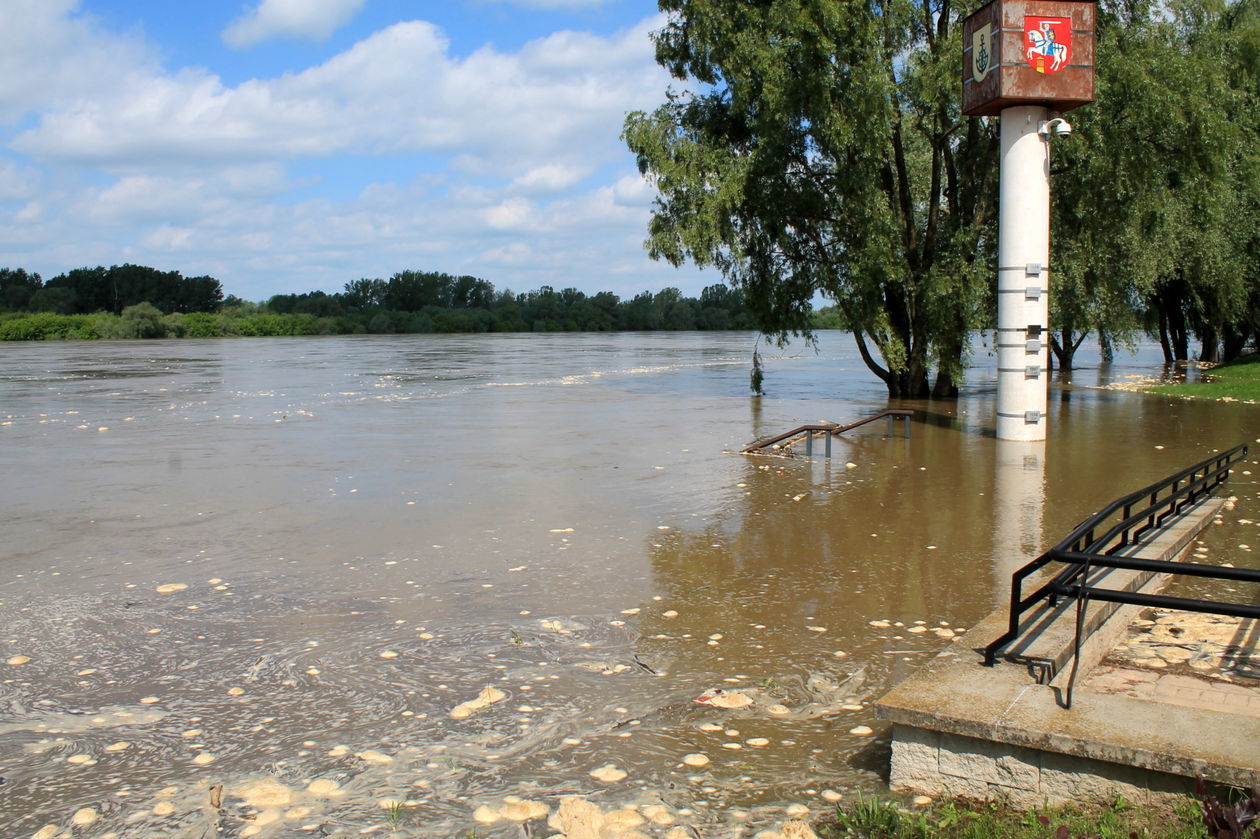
(395, 813)
(965, 819)
(1237, 380)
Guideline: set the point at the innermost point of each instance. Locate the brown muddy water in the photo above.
(279, 565)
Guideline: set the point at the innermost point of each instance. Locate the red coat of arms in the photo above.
(1047, 43)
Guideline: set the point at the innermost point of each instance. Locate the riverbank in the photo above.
(1236, 381)
(957, 818)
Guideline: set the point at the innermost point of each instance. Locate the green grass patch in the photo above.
(1238, 381)
(967, 819)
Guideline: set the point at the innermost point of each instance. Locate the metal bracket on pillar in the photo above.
(1032, 347)
(1032, 371)
(1034, 331)
(1033, 269)
(1032, 293)
(1032, 417)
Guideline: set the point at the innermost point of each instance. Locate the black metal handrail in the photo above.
(832, 428)
(1082, 549)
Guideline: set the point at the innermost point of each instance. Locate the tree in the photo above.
(820, 149)
(1156, 197)
(365, 294)
(17, 288)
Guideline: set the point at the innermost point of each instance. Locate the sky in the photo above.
(284, 146)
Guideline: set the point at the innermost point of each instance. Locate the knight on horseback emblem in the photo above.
(1049, 43)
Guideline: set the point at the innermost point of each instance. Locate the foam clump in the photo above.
(487, 697)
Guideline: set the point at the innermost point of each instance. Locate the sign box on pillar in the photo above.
(1028, 61)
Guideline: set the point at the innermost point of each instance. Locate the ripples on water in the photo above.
(373, 530)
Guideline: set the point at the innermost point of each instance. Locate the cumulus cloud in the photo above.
(310, 19)
(556, 4)
(557, 102)
(17, 183)
(524, 180)
(51, 56)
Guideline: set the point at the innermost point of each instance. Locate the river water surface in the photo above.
(262, 563)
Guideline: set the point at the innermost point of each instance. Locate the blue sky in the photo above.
(289, 145)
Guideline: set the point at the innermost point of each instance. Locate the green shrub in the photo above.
(47, 326)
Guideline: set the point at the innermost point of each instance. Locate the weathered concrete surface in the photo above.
(963, 728)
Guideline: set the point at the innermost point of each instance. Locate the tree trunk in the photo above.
(1210, 350)
(1065, 351)
(1178, 333)
(1234, 342)
(1164, 343)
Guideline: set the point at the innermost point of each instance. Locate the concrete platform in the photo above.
(1140, 731)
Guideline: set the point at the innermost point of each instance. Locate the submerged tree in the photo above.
(819, 149)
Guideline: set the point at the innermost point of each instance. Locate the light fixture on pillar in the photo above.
(1027, 61)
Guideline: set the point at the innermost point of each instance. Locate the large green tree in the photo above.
(1156, 197)
(817, 148)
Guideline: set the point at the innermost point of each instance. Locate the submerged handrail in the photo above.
(832, 428)
(1141, 513)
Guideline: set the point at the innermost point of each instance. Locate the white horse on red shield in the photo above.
(1042, 42)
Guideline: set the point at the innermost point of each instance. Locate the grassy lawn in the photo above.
(1236, 381)
(964, 819)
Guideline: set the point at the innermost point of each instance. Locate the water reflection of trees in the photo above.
(906, 535)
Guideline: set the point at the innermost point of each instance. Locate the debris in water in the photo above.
(488, 696)
(373, 756)
(171, 588)
(324, 788)
(861, 731)
(84, 817)
(18, 660)
(719, 698)
(696, 760)
(608, 773)
(485, 815)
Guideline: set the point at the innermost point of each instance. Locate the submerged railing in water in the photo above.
(833, 429)
(1141, 514)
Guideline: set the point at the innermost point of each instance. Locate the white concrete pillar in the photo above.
(1019, 489)
(1023, 275)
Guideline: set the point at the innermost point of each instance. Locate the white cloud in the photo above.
(552, 177)
(126, 161)
(17, 183)
(310, 19)
(558, 102)
(50, 57)
(555, 4)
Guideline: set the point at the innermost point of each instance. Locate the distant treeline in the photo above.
(132, 301)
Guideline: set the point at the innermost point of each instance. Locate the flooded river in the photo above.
(333, 573)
